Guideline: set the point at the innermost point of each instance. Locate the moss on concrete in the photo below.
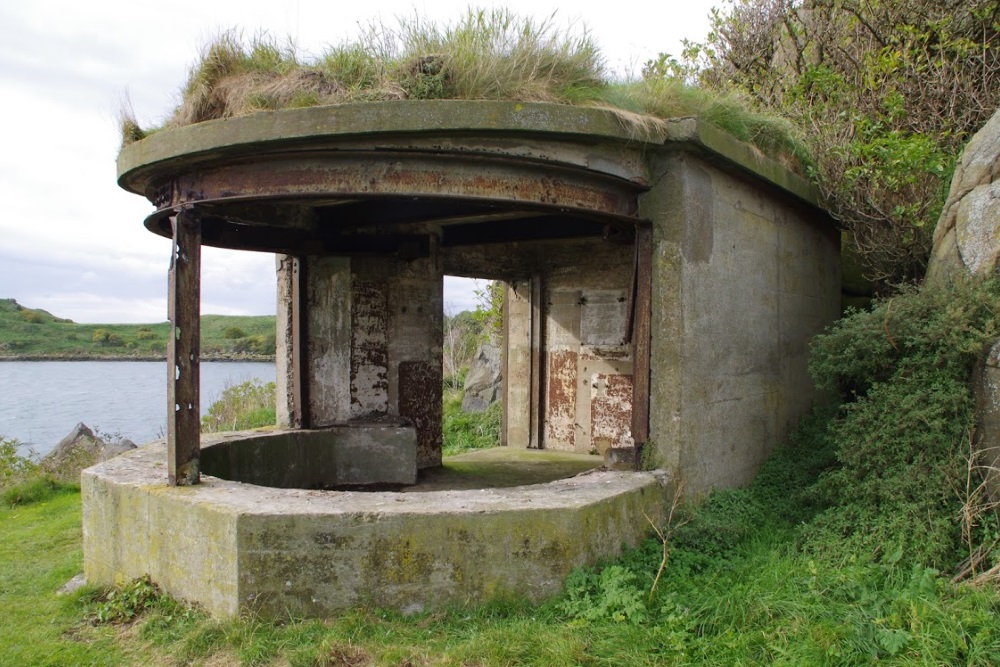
(502, 467)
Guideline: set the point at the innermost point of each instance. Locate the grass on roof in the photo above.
(485, 55)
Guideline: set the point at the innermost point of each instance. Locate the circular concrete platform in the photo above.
(232, 547)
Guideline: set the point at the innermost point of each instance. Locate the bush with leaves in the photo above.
(885, 92)
(903, 433)
(15, 465)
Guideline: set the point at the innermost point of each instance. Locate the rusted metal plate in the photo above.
(369, 349)
(184, 307)
(420, 403)
(365, 174)
(641, 332)
(561, 396)
(611, 412)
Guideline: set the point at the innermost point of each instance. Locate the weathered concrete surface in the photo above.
(501, 467)
(743, 277)
(967, 236)
(234, 547)
(355, 455)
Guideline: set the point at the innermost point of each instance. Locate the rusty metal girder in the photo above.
(351, 174)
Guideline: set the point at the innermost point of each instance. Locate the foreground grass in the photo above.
(736, 590)
(39, 553)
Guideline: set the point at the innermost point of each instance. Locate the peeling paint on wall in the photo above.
(369, 349)
(611, 411)
(420, 403)
(561, 397)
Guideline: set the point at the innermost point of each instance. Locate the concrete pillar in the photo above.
(517, 374)
(284, 362)
(327, 364)
(416, 330)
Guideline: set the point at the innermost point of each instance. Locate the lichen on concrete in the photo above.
(235, 547)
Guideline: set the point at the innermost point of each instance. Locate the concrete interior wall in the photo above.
(584, 366)
(372, 341)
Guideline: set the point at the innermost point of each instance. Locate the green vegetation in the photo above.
(737, 588)
(839, 553)
(463, 431)
(883, 93)
(484, 55)
(27, 333)
(249, 404)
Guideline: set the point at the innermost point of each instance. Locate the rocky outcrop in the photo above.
(967, 242)
(81, 449)
(482, 384)
(967, 237)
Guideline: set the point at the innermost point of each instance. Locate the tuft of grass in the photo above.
(35, 489)
(484, 55)
(465, 431)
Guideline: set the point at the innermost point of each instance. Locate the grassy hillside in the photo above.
(27, 333)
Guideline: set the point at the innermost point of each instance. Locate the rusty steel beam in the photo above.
(353, 174)
(184, 306)
(640, 333)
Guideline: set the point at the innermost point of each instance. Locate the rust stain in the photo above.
(561, 397)
(369, 349)
(605, 352)
(611, 411)
(406, 175)
(420, 403)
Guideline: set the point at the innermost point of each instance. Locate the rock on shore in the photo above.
(81, 449)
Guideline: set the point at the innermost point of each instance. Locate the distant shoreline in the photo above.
(135, 357)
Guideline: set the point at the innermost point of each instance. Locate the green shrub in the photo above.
(32, 316)
(613, 593)
(250, 404)
(15, 467)
(144, 333)
(902, 372)
(233, 332)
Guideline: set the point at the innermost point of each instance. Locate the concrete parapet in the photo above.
(233, 547)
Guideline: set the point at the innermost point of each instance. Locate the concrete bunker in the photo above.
(661, 292)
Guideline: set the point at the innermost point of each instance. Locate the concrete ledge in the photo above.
(234, 547)
(354, 455)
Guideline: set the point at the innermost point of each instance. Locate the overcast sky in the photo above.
(72, 242)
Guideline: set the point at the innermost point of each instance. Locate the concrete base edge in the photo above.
(233, 548)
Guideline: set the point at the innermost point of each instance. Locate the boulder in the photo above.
(482, 384)
(81, 449)
(967, 242)
(967, 236)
